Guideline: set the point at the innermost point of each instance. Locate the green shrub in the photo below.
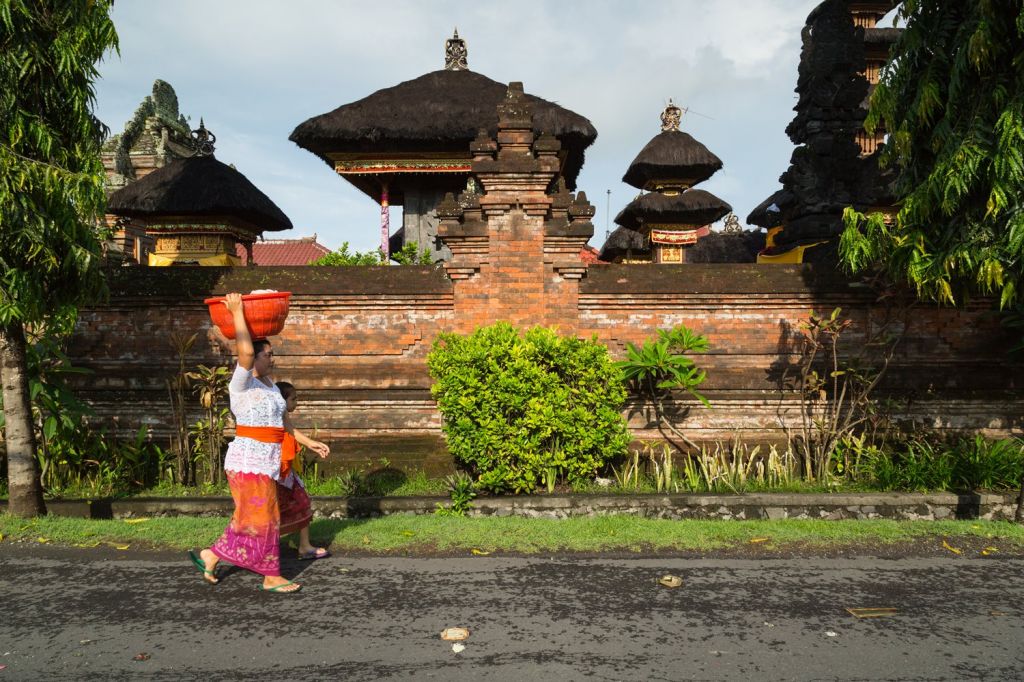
(962, 464)
(518, 407)
(659, 366)
(410, 254)
(917, 465)
(983, 464)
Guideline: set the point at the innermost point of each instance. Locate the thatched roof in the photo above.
(693, 207)
(198, 186)
(672, 154)
(439, 111)
(622, 241)
(727, 247)
(770, 212)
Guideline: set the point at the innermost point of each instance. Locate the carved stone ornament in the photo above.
(671, 117)
(732, 224)
(455, 53)
(202, 141)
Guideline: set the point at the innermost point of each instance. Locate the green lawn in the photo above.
(401, 534)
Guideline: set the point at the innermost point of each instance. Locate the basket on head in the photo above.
(264, 313)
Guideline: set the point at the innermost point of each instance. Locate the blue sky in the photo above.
(254, 69)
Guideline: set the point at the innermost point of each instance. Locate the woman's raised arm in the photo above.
(243, 340)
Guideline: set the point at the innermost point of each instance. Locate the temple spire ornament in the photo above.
(202, 141)
(732, 224)
(671, 117)
(455, 54)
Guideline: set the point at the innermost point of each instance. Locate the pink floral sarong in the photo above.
(252, 539)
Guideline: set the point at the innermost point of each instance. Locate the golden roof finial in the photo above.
(671, 117)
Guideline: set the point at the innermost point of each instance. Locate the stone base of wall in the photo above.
(774, 506)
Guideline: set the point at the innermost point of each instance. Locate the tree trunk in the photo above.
(1019, 515)
(26, 492)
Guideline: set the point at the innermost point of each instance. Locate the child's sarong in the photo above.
(295, 505)
(252, 539)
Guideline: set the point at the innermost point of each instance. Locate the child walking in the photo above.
(292, 499)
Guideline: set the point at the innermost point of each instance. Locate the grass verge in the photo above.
(408, 534)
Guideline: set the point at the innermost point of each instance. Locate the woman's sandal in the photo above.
(314, 554)
(280, 589)
(201, 565)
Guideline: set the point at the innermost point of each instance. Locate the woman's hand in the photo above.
(233, 302)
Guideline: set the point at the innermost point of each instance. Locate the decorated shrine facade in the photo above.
(408, 145)
(170, 202)
(670, 216)
(196, 210)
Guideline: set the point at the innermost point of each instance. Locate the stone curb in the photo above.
(897, 506)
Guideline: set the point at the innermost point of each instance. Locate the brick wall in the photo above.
(357, 338)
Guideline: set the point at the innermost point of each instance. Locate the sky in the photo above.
(255, 69)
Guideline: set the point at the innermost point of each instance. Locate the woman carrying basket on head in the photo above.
(253, 464)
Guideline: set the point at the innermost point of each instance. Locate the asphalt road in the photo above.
(85, 614)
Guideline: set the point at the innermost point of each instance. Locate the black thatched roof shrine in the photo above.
(672, 154)
(771, 211)
(727, 247)
(624, 241)
(692, 207)
(441, 111)
(198, 186)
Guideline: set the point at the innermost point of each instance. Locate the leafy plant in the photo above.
(177, 391)
(835, 390)
(660, 366)
(462, 490)
(919, 465)
(352, 483)
(734, 468)
(983, 464)
(210, 384)
(629, 476)
(952, 101)
(56, 411)
(344, 257)
(410, 254)
(660, 457)
(92, 462)
(516, 405)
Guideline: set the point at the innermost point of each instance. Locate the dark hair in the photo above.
(259, 345)
(287, 390)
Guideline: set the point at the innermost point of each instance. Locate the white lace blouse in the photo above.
(254, 404)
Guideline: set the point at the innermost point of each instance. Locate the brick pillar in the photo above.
(516, 235)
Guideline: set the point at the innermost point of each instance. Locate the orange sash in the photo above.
(264, 434)
(289, 448)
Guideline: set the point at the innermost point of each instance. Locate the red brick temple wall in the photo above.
(357, 338)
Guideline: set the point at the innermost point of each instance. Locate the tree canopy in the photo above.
(952, 102)
(51, 196)
(51, 177)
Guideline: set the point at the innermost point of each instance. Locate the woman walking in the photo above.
(253, 464)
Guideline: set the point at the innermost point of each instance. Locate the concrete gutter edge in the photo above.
(901, 506)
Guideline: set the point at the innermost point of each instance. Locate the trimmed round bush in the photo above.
(522, 408)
